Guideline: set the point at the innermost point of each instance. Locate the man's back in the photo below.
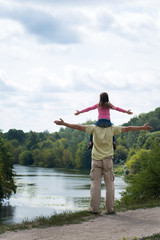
(102, 140)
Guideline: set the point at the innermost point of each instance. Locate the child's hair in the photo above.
(104, 100)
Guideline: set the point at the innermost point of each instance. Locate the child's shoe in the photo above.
(114, 146)
(90, 145)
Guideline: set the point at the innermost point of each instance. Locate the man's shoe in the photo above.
(109, 213)
(95, 213)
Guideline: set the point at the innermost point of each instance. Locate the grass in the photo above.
(55, 220)
(153, 237)
(120, 206)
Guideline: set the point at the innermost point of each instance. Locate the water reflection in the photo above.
(6, 212)
(44, 191)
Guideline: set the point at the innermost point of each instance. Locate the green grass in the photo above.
(120, 206)
(153, 237)
(55, 220)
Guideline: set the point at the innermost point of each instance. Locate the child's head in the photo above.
(104, 100)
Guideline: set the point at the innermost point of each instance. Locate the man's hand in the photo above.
(129, 112)
(59, 122)
(70, 125)
(147, 127)
(77, 112)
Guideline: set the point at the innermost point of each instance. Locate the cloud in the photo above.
(44, 25)
(129, 24)
(5, 87)
(58, 56)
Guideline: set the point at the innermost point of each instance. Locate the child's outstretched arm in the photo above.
(122, 110)
(86, 109)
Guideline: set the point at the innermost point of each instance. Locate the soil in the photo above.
(133, 223)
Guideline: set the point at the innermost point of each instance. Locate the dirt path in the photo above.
(140, 222)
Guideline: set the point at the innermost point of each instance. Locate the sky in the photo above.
(57, 56)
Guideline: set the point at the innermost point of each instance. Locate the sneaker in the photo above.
(95, 213)
(90, 145)
(109, 213)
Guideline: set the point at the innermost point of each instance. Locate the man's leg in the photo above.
(95, 190)
(109, 183)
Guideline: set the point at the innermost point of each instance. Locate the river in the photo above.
(46, 191)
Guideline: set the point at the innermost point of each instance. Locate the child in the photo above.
(103, 107)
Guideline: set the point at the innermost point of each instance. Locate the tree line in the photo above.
(68, 148)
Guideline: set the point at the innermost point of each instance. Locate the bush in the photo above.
(145, 184)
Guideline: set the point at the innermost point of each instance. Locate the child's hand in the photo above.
(129, 112)
(77, 112)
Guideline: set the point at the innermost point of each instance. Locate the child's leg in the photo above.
(103, 123)
(91, 138)
(114, 143)
(90, 145)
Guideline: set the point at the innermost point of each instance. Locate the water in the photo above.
(46, 191)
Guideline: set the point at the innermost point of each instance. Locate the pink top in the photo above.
(103, 113)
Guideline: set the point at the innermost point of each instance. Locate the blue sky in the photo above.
(58, 56)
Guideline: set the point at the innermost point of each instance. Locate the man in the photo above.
(102, 160)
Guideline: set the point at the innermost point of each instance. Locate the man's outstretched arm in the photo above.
(145, 127)
(74, 126)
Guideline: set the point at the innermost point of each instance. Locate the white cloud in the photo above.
(58, 56)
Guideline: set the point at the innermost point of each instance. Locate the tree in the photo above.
(12, 134)
(7, 185)
(120, 154)
(67, 159)
(145, 183)
(25, 158)
(83, 156)
(32, 141)
(37, 157)
(137, 161)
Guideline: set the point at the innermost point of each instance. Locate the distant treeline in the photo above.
(68, 148)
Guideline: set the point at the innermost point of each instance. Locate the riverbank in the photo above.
(69, 217)
(130, 224)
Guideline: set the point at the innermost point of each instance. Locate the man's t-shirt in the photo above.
(102, 140)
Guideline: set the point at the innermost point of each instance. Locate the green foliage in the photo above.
(25, 158)
(83, 156)
(7, 185)
(152, 117)
(68, 147)
(145, 183)
(32, 141)
(121, 154)
(138, 161)
(14, 134)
